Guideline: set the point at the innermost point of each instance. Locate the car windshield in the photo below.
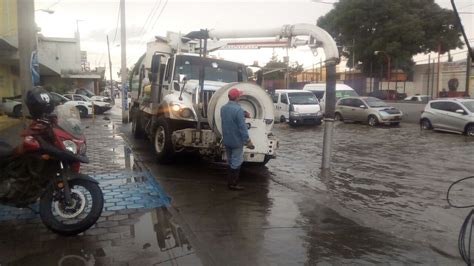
(302, 98)
(345, 93)
(469, 105)
(374, 102)
(85, 92)
(69, 120)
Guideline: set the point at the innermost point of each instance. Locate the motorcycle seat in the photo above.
(6, 149)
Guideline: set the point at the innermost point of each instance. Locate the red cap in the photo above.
(234, 93)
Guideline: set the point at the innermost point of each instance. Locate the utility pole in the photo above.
(439, 71)
(429, 74)
(112, 96)
(26, 46)
(329, 115)
(123, 76)
(468, 72)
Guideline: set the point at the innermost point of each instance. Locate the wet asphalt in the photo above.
(384, 202)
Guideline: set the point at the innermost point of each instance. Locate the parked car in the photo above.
(319, 90)
(297, 107)
(452, 115)
(418, 98)
(367, 109)
(84, 107)
(11, 106)
(99, 107)
(92, 96)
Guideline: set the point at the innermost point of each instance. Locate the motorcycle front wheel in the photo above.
(83, 211)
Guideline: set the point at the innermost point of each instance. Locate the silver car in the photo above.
(367, 109)
(452, 115)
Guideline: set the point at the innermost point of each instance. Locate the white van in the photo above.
(297, 107)
(319, 90)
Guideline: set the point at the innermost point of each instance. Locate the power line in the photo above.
(116, 25)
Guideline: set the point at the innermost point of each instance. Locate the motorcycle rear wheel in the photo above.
(59, 218)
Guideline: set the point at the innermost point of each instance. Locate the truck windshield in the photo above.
(302, 98)
(214, 69)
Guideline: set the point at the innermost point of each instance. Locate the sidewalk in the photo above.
(136, 228)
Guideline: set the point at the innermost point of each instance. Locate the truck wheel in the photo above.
(162, 141)
(137, 130)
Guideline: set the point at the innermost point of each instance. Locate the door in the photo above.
(359, 113)
(344, 108)
(451, 119)
(437, 113)
(276, 104)
(285, 106)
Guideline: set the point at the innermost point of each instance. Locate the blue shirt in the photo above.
(234, 129)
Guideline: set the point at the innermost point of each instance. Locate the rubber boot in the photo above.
(233, 179)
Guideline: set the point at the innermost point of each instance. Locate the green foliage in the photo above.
(402, 28)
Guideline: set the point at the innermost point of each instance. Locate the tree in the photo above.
(401, 28)
(277, 69)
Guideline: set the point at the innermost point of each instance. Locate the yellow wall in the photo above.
(8, 82)
(8, 18)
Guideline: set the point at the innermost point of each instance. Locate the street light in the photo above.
(388, 62)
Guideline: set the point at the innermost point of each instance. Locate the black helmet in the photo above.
(39, 102)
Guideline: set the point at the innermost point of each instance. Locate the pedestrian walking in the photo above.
(234, 137)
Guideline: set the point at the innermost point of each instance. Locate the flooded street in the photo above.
(384, 203)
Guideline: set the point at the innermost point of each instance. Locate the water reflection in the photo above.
(129, 236)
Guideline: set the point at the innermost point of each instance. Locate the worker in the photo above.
(234, 137)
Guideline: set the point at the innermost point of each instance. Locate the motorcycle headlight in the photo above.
(70, 146)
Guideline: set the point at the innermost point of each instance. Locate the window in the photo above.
(469, 105)
(437, 105)
(452, 107)
(169, 68)
(275, 97)
(284, 99)
(345, 102)
(78, 98)
(357, 103)
(68, 96)
(446, 106)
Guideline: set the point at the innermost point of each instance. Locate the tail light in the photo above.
(76, 167)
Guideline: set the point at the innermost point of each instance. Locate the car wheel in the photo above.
(82, 111)
(425, 124)
(373, 121)
(17, 111)
(470, 130)
(282, 119)
(338, 117)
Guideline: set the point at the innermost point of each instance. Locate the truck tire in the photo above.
(162, 141)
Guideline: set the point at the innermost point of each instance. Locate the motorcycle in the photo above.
(46, 167)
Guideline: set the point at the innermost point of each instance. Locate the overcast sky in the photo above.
(148, 18)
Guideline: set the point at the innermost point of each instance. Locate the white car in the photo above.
(11, 106)
(99, 107)
(418, 98)
(84, 107)
(92, 96)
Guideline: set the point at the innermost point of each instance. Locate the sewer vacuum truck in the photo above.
(177, 92)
